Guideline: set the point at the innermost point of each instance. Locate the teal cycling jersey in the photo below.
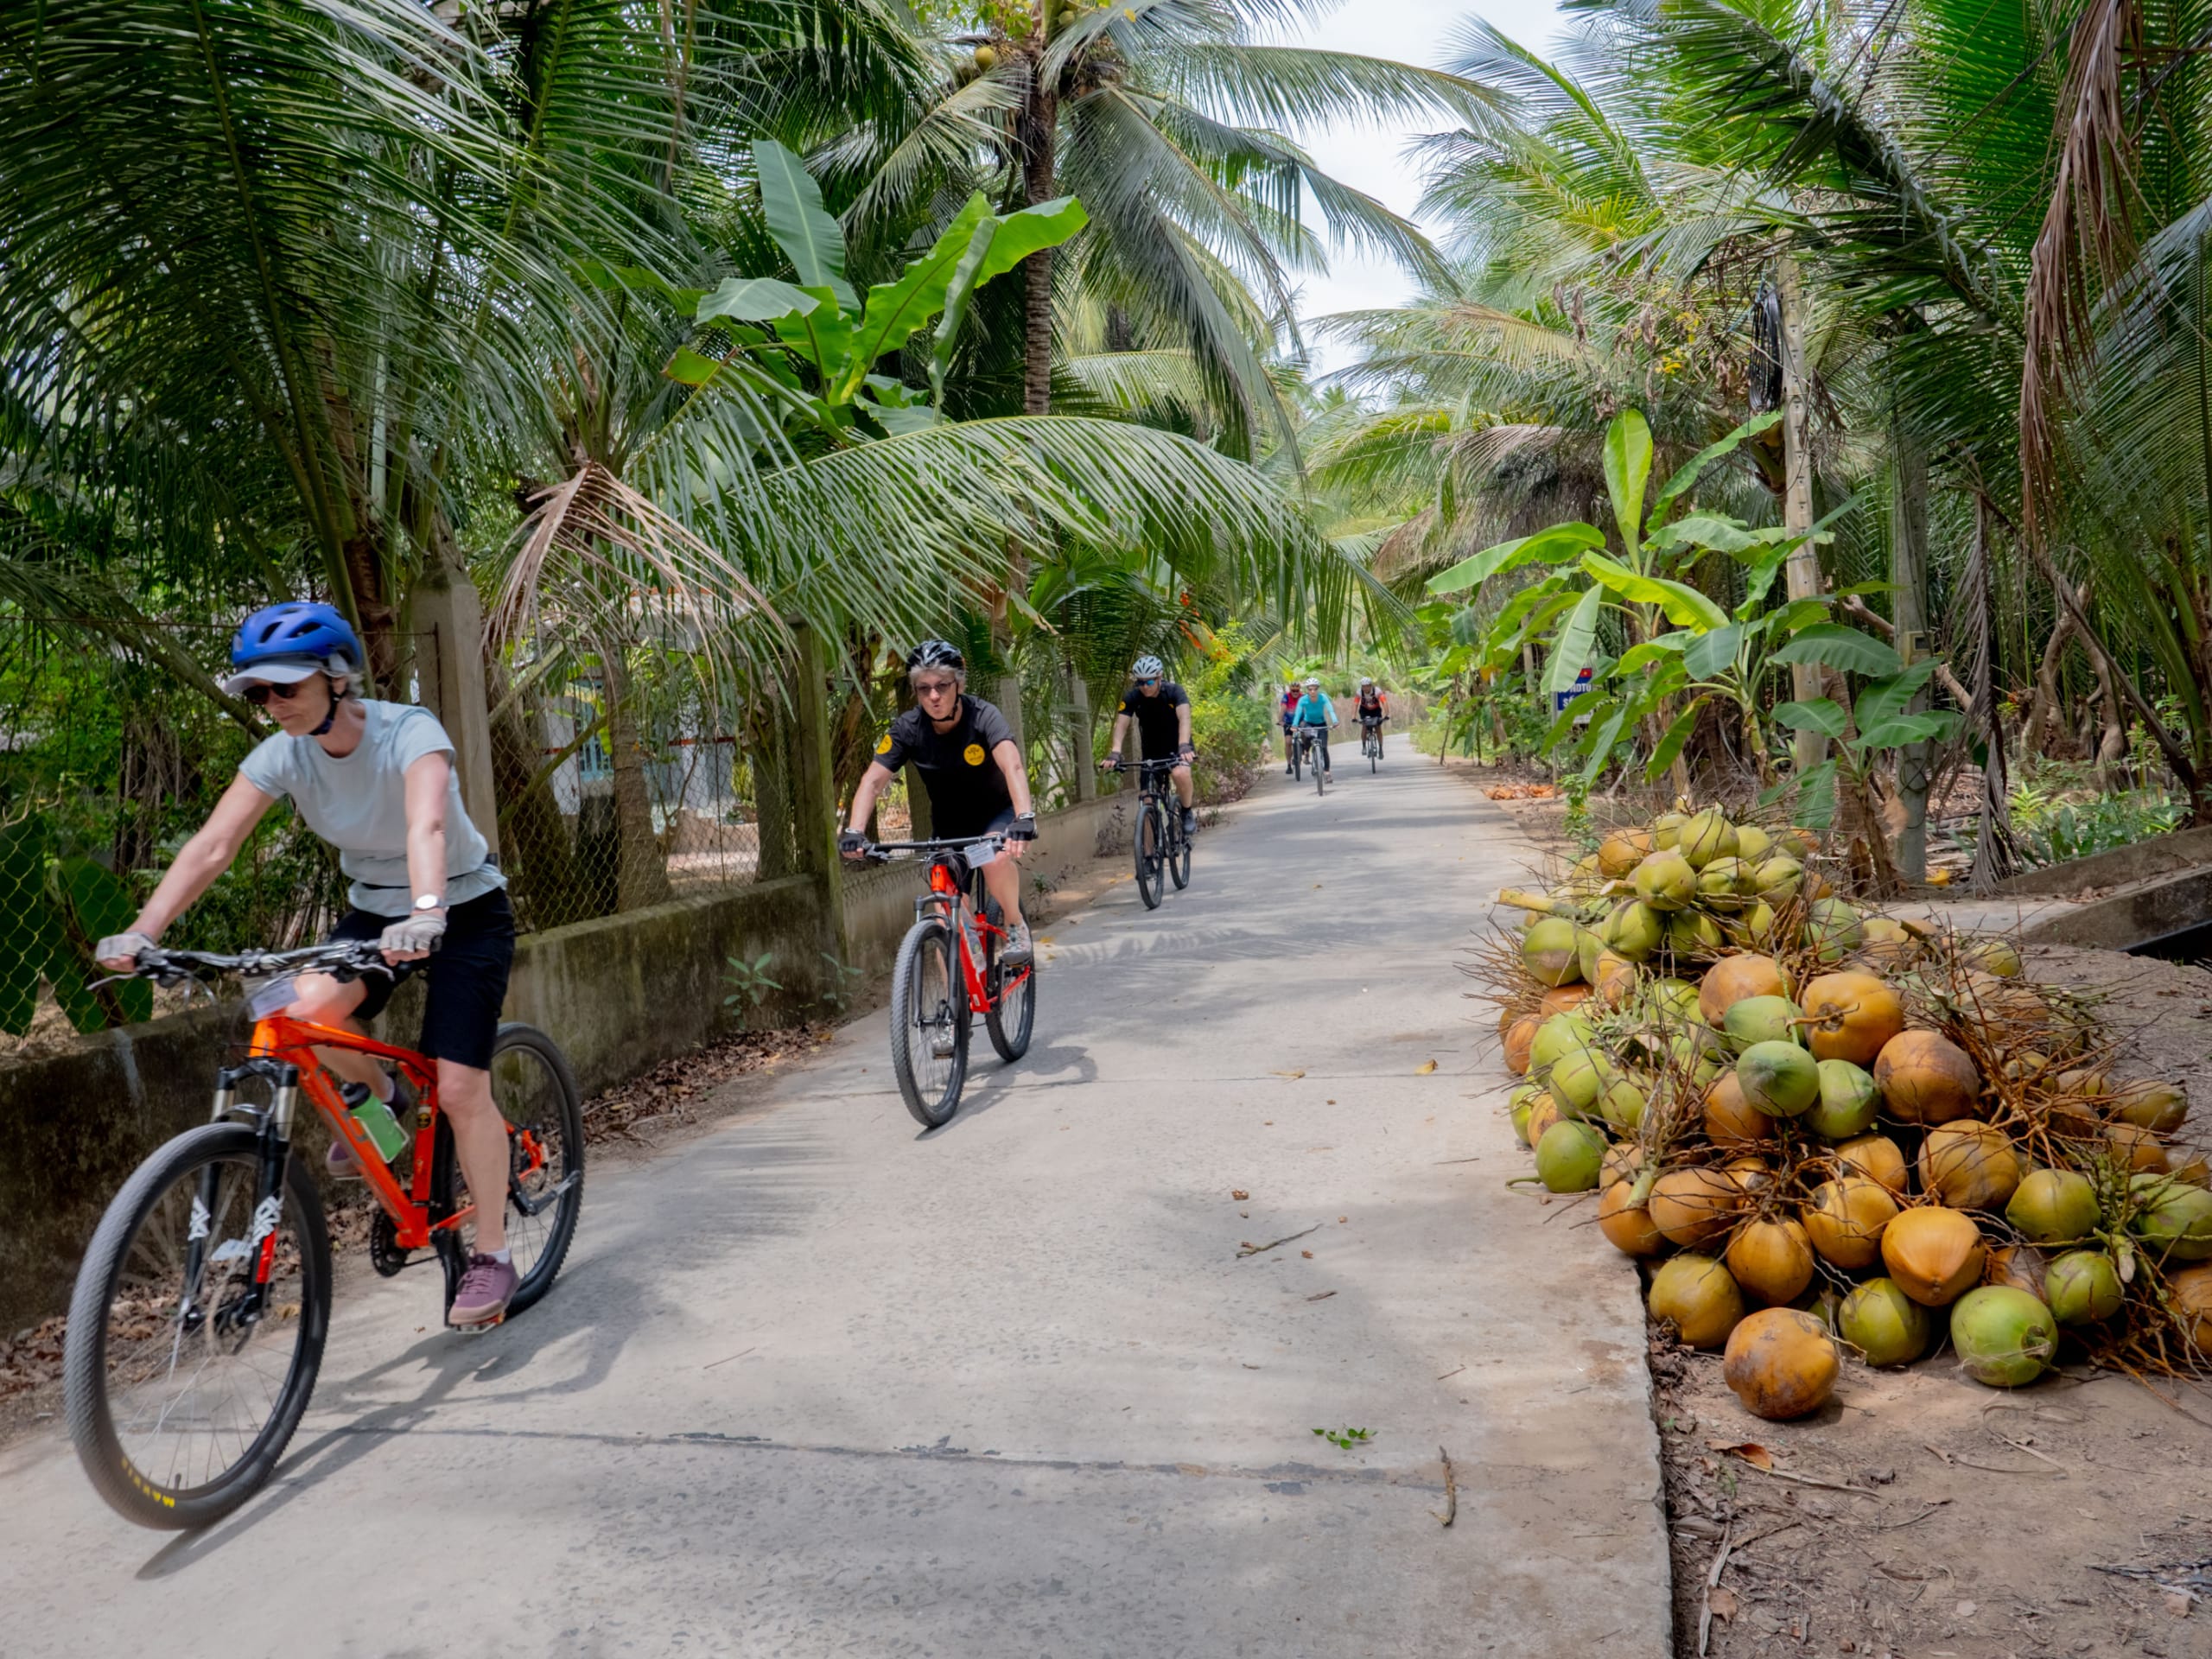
(1315, 710)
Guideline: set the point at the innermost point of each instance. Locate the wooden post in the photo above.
(447, 609)
(814, 786)
(1805, 678)
(1908, 573)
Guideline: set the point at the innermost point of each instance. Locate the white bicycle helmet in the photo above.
(1148, 668)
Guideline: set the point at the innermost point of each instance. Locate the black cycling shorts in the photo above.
(963, 826)
(468, 977)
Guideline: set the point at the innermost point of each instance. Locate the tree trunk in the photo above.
(2111, 747)
(640, 870)
(2046, 709)
(1908, 573)
(1804, 567)
(1036, 135)
(767, 749)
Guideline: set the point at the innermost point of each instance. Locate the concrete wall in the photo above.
(2168, 854)
(620, 994)
(2129, 918)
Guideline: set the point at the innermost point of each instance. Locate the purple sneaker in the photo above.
(485, 1289)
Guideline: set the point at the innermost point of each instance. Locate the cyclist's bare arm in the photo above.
(871, 785)
(1182, 725)
(200, 860)
(1121, 735)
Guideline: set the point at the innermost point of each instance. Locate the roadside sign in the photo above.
(1560, 699)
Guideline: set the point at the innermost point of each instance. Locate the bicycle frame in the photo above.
(956, 901)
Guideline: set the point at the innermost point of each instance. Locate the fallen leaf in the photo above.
(1308, 1254)
(1238, 1193)
(2178, 1603)
(1342, 1219)
(1299, 1073)
(1722, 1600)
(1424, 1068)
(1331, 1100)
(1750, 1451)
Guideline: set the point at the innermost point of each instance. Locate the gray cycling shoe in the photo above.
(1018, 951)
(1189, 821)
(485, 1289)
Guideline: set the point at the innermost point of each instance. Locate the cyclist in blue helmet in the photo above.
(376, 780)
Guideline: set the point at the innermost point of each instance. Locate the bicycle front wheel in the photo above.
(1320, 777)
(929, 1022)
(1149, 855)
(183, 1378)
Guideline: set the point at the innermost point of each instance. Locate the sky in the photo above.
(1373, 160)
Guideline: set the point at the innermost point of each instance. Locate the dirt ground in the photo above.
(2071, 1517)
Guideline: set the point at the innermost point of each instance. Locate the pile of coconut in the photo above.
(1821, 1127)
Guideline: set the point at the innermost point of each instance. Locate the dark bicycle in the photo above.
(1307, 754)
(197, 1326)
(1370, 740)
(1160, 843)
(945, 974)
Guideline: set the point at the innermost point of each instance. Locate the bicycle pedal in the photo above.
(477, 1329)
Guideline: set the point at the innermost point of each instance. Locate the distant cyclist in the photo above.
(1162, 711)
(1315, 710)
(973, 770)
(376, 781)
(1373, 708)
(1290, 695)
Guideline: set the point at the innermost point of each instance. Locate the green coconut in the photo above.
(1883, 1324)
(2006, 1337)
(2053, 1206)
(1622, 1105)
(1665, 828)
(1848, 1102)
(1694, 933)
(1778, 878)
(1666, 882)
(2175, 1219)
(2160, 1108)
(1760, 1020)
(1994, 955)
(1724, 884)
(1577, 1079)
(1752, 845)
(1634, 930)
(1833, 930)
(1706, 838)
(1559, 1036)
(1778, 1079)
(1676, 996)
(2083, 1286)
(1753, 927)
(1518, 1105)
(1569, 1157)
(1547, 951)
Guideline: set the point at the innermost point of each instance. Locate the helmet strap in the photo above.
(330, 719)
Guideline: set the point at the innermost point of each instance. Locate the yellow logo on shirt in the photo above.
(883, 744)
(973, 754)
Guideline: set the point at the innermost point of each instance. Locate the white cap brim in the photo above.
(276, 671)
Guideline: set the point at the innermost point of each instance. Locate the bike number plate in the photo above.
(272, 996)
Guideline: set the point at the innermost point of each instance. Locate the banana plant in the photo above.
(767, 331)
(1877, 721)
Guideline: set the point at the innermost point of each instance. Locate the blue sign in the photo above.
(1560, 699)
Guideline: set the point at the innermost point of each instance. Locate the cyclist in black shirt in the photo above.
(1162, 711)
(973, 770)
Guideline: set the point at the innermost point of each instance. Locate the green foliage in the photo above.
(1345, 1439)
(840, 982)
(1230, 727)
(750, 984)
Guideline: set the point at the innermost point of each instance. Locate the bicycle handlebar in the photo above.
(348, 958)
(882, 852)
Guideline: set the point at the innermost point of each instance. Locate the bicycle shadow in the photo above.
(586, 1294)
(1039, 1068)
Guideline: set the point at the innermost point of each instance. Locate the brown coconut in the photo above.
(1627, 1224)
(1696, 1295)
(2137, 1148)
(1695, 1205)
(1518, 1037)
(1970, 1166)
(1732, 979)
(1935, 1254)
(1564, 998)
(1854, 1015)
(1772, 1259)
(1877, 1157)
(2021, 1266)
(2190, 1292)
(1781, 1362)
(1926, 1079)
(1732, 1121)
(1846, 1219)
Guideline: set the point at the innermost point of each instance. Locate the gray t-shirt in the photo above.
(358, 802)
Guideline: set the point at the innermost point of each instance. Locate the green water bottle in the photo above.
(375, 1121)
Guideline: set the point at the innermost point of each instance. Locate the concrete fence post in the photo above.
(447, 609)
(1082, 744)
(814, 786)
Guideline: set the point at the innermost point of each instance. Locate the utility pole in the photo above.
(1804, 569)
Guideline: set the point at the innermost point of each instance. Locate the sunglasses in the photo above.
(259, 695)
(936, 688)
(1154, 680)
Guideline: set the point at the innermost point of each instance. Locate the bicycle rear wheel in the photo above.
(1178, 853)
(181, 1388)
(929, 1022)
(1149, 854)
(1013, 1012)
(1297, 760)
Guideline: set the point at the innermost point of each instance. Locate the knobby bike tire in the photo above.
(1297, 762)
(1149, 855)
(929, 944)
(140, 1495)
(555, 1110)
(1013, 1014)
(1320, 776)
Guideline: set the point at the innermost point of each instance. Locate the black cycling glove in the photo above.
(1023, 828)
(850, 843)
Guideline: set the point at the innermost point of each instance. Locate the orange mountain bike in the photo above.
(945, 974)
(197, 1326)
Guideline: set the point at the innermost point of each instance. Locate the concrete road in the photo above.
(816, 1383)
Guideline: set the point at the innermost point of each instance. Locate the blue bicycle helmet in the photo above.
(286, 643)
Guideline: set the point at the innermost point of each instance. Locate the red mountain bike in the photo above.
(197, 1326)
(945, 974)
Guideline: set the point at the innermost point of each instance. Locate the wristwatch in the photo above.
(427, 901)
